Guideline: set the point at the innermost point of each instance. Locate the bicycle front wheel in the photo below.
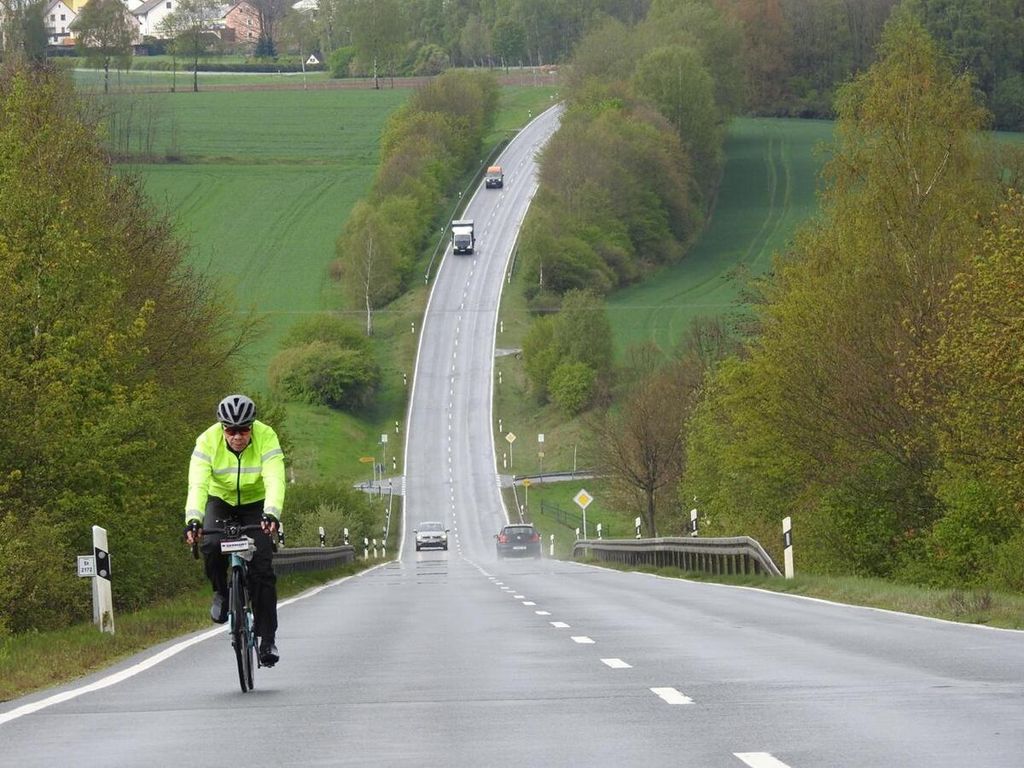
(241, 635)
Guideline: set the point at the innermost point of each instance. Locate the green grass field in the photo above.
(767, 191)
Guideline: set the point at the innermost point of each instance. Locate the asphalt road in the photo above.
(458, 659)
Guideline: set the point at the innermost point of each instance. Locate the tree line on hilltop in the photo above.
(793, 54)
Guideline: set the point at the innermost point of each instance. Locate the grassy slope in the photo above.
(767, 191)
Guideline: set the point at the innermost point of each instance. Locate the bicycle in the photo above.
(240, 616)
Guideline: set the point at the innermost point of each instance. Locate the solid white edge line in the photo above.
(152, 661)
(798, 597)
(760, 760)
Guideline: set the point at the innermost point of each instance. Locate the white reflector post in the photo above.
(787, 545)
(102, 599)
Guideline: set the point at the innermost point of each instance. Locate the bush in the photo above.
(339, 60)
(572, 387)
(321, 373)
(335, 506)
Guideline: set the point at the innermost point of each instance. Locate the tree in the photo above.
(105, 32)
(475, 41)
(378, 32)
(105, 328)
(369, 259)
(641, 444)
(508, 40)
(271, 13)
(22, 30)
(191, 20)
(675, 79)
(820, 411)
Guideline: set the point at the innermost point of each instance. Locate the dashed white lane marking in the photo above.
(582, 640)
(617, 664)
(518, 597)
(543, 613)
(528, 602)
(760, 760)
(559, 625)
(671, 696)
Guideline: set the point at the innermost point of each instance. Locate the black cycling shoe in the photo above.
(268, 653)
(219, 608)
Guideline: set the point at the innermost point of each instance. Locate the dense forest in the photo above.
(794, 54)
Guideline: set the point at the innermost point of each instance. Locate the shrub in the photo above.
(572, 387)
(339, 60)
(333, 505)
(321, 373)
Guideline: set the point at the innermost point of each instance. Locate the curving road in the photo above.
(457, 659)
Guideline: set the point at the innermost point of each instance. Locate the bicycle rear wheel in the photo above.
(240, 634)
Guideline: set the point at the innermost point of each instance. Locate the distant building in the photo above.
(239, 23)
(57, 18)
(151, 13)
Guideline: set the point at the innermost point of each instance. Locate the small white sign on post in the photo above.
(636, 522)
(86, 566)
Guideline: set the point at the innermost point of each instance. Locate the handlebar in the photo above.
(232, 530)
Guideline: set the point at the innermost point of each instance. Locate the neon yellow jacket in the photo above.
(256, 473)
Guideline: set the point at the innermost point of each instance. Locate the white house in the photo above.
(57, 18)
(151, 13)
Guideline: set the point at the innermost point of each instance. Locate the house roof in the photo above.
(54, 3)
(147, 6)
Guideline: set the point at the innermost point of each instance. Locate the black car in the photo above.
(518, 540)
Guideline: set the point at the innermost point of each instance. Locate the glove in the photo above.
(193, 531)
(269, 524)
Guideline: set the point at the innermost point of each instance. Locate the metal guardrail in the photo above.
(294, 560)
(735, 555)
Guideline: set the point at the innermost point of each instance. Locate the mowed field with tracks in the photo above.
(261, 187)
(768, 190)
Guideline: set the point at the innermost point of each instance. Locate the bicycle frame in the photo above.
(240, 617)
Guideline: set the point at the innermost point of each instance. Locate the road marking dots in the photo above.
(559, 625)
(617, 664)
(760, 760)
(671, 696)
(582, 640)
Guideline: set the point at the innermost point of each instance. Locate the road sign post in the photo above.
(511, 438)
(526, 499)
(583, 500)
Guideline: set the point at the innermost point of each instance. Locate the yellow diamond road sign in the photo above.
(510, 437)
(527, 482)
(583, 499)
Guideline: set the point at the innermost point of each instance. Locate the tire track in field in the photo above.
(277, 242)
(778, 175)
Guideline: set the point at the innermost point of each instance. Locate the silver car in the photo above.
(431, 535)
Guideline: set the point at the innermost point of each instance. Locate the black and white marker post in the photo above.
(787, 545)
(97, 567)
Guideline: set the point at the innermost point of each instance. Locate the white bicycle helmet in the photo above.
(236, 411)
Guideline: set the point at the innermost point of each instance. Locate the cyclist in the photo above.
(237, 473)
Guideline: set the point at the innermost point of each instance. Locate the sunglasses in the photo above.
(232, 431)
